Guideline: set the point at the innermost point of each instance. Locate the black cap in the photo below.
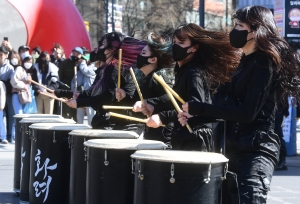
(23, 47)
(37, 49)
(4, 50)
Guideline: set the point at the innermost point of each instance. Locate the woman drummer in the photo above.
(157, 54)
(268, 69)
(202, 58)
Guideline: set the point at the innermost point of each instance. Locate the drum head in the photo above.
(58, 126)
(180, 156)
(125, 144)
(37, 116)
(46, 120)
(113, 134)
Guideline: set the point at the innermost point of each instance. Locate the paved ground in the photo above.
(285, 187)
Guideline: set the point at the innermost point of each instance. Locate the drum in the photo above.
(177, 177)
(26, 149)
(109, 169)
(78, 158)
(18, 135)
(50, 162)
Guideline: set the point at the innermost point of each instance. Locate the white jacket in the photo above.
(18, 79)
(53, 71)
(2, 96)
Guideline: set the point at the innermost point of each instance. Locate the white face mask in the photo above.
(14, 61)
(27, 65)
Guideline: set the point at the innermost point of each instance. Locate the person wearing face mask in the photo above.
(203, 58)
(35, 54)
(20, 80)
(6, 70)
(156, 55)
(43, 73)
(22, 49)
(267, 73)
(66, 74)
(58, 55)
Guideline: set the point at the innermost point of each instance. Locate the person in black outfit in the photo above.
(198, 54)
(268, 69)
(157, 54)
(281, 113)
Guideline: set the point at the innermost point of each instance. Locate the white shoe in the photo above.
(4, 142)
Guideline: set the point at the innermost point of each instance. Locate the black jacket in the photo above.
(66, 71)
(190, 84)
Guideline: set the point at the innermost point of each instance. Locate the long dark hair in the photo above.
(268, 40)
(161, 47)
(40, 62)
(215, 54)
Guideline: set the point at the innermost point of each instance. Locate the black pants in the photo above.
(278, 131)
(253, 157)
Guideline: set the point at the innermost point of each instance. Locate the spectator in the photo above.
(7, 45)
(2, 104)
(66, 74)
(14, 59)
(20, 81)
(35, 53)
(6, 71)
(23, 49)
(44, 72)
(58, 54)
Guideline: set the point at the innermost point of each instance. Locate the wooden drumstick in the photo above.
(176, 105)
(40, 85)
(129, 118)
(52, 96)
(117, 107)
(163, 83)
(119, 69)
(137, 86)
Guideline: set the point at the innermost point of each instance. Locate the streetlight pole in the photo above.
(112, 16)
(201, 13)
(106, 16)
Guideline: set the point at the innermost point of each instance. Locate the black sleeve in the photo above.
(34, 78)
(63, 93)
(257, 92)
(103, 98)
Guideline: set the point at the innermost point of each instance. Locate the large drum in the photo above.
(109, 169)
(78, 158)
(26, 150)
(50, 162)
(18, 141)
(177, 177)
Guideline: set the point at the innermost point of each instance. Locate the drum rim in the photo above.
(159, 156)
(37, 116)
(131, 145)
(57, 126)
(51, 120)
(104, 133)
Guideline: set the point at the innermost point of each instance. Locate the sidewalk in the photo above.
(285, 186)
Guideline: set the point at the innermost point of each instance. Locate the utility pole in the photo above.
(201, 13)
(106, 16)
(112, 16)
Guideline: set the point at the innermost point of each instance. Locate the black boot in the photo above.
(281, 165)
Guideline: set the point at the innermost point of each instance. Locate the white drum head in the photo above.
(46, 120)
(125, 144)
(180, 156)
(113, 134)
(37, 116)
(58, 126)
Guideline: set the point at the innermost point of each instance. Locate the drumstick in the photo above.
(129, 118)
(75, 78)
(163, 83)
(34, 82)
(176, 105)
(52, 96)
(137, 86)
(117, 107)
(119, 69)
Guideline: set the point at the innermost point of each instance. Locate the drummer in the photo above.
(203, 58)
(157, 54)
(103, 92)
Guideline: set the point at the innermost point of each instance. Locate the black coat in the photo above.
(190, 84)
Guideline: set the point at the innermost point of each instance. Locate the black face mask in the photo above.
(142, 61)
(238, 38)
(74, 58)
(45, 62)
(100, 55)
(180, 53)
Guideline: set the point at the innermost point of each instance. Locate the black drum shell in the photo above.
(189, 186)
(58, 151)
(17, 161)
(113, 183)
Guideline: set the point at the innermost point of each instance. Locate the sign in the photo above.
(292, 16)
(279, 15)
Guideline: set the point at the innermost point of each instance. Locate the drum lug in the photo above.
(140, 176)
(207, 180)
(32, 136)
(85, 154)
(225, 172)
(132, 166)
(172, 179)
(106, 163)
(70, 141)
(54, 140)
(29, 133)
(21, 128)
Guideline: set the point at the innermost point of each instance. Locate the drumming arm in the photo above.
(103, 98)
